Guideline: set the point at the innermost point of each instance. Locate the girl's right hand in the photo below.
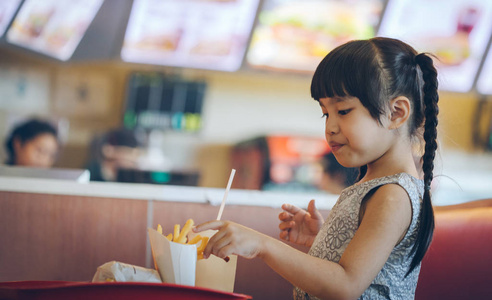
(300, 226)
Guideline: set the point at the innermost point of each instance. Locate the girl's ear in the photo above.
(400, 111)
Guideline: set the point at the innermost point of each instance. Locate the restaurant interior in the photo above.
(207, 86)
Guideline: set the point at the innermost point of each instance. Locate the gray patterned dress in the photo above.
(341, 224)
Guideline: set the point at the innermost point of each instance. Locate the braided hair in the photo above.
(431, 98)
(376, 71)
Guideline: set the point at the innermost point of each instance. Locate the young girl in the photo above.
(377, 96)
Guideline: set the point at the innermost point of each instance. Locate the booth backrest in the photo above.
(458, 264)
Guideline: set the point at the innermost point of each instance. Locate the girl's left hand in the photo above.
(231, 238)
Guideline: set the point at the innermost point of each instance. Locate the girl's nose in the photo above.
(331, 127)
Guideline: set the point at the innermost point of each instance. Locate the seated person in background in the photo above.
(33, 143)
(118, 148)
(335, 176)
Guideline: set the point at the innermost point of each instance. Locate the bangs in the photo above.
(333, 78)
(351, 69)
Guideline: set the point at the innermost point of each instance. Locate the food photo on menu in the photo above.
(458, 40)
(296, 35)
(53, 27)
(203, 34)
(7, 11)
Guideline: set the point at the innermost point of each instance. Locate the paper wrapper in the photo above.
(214, 272)
(120, 272)
(176, 263)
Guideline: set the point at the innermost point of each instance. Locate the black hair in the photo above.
(114, 137)
(376, 71)
(121, 137)
(25, 132)
(333, 167)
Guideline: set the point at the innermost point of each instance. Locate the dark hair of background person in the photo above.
(376, 71)
(114, 137)
(102, 167)
(332, 167)
(121, 137)
(26, 132)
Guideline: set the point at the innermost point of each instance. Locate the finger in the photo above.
(286, 225)
(313, 211)
(217, 248)
(284, 235)
(285, 216)
(291, 208)
(211, 243)
(214, 225)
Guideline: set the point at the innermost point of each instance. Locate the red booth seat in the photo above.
(458, 264)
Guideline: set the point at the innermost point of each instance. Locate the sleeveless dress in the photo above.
(342, 223)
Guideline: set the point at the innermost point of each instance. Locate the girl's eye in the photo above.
(344, 112)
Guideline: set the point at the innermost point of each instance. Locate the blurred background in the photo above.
(209, 85)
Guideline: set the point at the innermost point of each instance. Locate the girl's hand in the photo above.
(231, 238)
(300, 226)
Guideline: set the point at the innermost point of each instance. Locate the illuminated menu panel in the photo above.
(52, 27)
(297, 34)
(7, 10)
(456, 31)
(204, 34)
(484, 84)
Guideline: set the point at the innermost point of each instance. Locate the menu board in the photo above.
(52, 27)
(297, 34)
(204, 34)
(7, 11)
(484, 83)
(456, 31)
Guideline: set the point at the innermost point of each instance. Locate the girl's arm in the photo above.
(385, 221)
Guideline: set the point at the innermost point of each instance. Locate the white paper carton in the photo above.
(176, 263)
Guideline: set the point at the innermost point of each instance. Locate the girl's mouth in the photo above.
(335, 146)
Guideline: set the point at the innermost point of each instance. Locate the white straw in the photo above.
(231, 177)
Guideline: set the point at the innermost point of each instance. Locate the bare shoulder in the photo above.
(390, 204)
(391, 196)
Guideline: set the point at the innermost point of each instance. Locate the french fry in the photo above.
(181, 236)
(195, 240)
(202, 246)
(176, 233)
(186, 229)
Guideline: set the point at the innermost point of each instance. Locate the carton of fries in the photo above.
(215, 272)
(175, 262)
(178, 258)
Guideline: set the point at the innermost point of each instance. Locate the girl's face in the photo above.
(355, 138)
(38, 152)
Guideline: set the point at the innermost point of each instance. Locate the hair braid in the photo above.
(431, 110)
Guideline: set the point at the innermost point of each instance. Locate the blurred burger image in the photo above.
(298, 34)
